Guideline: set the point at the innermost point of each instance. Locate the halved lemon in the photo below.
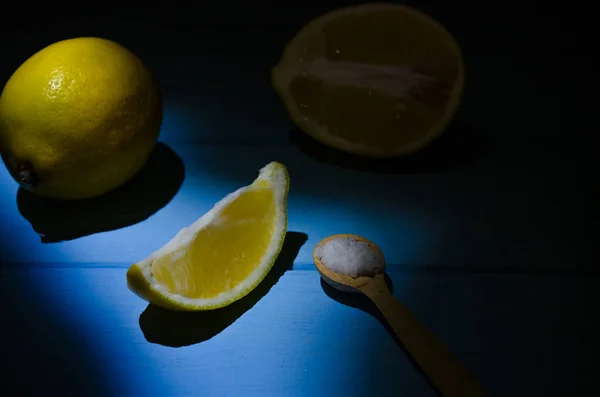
(377, 80)
(224, 254)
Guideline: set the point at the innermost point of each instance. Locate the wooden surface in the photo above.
(79, 330)
(440, 366)
(488, 235)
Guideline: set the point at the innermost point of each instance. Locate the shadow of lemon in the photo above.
(149, 191)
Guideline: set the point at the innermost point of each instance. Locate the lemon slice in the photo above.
(224, 254)
(377, 80)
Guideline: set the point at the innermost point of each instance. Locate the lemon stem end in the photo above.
(26, 175)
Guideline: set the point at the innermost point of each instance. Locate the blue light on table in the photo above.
(319, 205)
(316, 335)
(406, 235)
(180, 124)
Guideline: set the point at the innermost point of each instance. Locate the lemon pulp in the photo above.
(225, 252)
(377, 79)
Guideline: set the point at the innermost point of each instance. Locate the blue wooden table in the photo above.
(484, 233)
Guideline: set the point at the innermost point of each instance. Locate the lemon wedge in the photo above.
(376, 80)
(224, 254)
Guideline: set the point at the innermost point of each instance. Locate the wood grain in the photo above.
(81, 332)
(448, 374)
(484, 237)
(435, 220)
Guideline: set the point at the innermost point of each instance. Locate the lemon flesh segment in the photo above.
(224, 254)
(376, 80)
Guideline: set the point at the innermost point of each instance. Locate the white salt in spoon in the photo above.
(352, 263)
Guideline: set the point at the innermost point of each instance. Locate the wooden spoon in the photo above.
(442, 368)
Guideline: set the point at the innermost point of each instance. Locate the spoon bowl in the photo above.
(343, 282)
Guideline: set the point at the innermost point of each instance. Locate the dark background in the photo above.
(527, 114)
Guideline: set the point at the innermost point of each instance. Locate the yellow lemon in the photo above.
(78, 118)
(224, 254)
(378, 80)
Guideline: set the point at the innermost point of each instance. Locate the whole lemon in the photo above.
(79, 118)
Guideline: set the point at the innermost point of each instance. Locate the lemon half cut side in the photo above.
(224, 254)
(375, 80)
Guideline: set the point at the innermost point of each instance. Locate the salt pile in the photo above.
(351, 257)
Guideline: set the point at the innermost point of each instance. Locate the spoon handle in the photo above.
(442, 368)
